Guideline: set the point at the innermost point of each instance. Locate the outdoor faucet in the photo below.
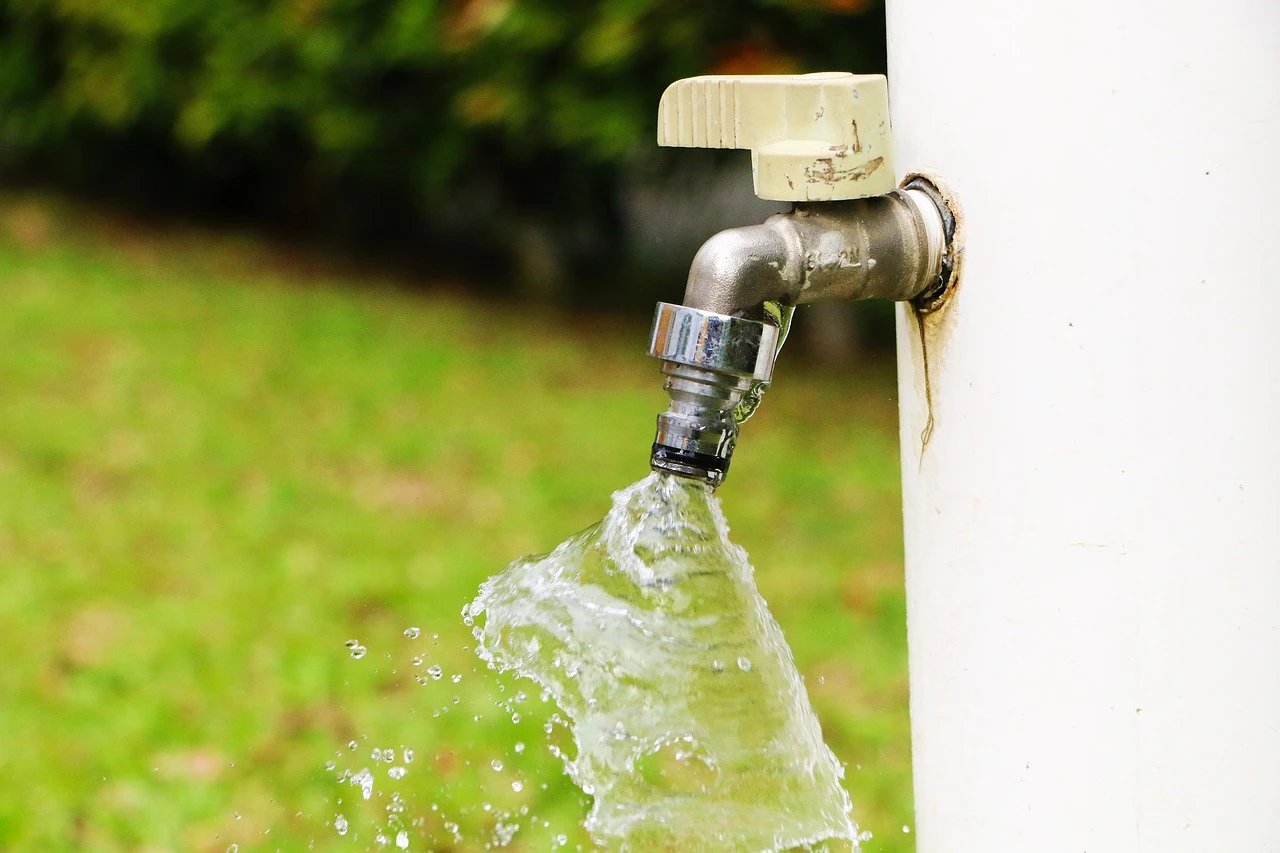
(821, 141)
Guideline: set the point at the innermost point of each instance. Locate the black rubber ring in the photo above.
(700, 461)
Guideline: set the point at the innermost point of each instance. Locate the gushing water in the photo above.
(692, 727)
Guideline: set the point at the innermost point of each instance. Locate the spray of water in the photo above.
(691, 726)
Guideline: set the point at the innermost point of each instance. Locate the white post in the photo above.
(1093, 529)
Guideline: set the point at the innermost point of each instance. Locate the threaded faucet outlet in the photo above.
(713, 364)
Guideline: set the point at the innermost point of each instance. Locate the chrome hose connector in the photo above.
(713, 364)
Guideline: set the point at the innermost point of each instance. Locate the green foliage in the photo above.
(380, 117)
(218, 470)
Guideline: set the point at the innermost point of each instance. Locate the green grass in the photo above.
(221, 462)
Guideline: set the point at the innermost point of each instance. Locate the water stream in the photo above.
(691, 727)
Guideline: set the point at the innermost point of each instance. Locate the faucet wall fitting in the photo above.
(718, 349)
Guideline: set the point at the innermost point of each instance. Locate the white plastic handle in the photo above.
(813, 137)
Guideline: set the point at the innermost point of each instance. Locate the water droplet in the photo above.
(340, 824)
(358, 652)
(717, 666)
(352, 745)
(496, 764)
(402, 837)
(397, 772)
(906, 828)
(517, 786)
(519, 747)
(377, 755)
(351, 644)
(365, 780)
(744, 664)
(328, 765)
(408, 756)
(418, 660)
(435, 672)
(413, 633)
(233, 848)
(457, 676)
(515, 718)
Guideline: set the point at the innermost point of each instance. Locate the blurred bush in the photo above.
(498, 126)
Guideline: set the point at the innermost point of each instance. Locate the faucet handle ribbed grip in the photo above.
(716, 342)
(813, 137)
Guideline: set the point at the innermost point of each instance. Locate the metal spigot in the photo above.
(851, 235)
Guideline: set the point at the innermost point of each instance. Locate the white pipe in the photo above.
(1093, 530)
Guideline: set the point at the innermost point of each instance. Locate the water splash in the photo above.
(628, 626)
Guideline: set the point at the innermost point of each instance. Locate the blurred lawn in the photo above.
(221, 462)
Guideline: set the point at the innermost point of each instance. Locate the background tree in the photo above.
(492, 127)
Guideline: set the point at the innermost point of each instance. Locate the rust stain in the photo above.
(934, 321)
(825, 171)
(926, 434)
(932, 329)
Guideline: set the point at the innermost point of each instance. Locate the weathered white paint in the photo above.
(1093, 531)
